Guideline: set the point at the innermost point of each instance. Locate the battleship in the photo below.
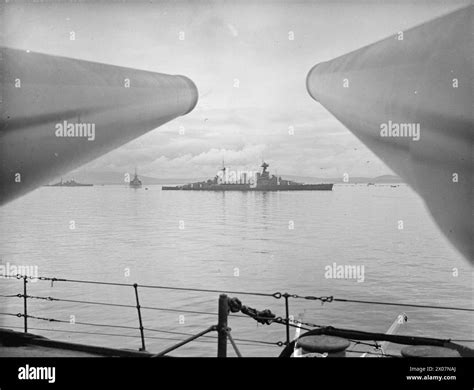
(261, 181)
(69, 183)
(135, 182)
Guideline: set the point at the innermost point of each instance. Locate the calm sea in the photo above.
(251, 242)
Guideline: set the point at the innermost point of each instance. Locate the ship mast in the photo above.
(223, 172)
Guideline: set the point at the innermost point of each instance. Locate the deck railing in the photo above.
(226, 306)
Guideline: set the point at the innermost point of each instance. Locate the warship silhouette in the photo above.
(68, 183)
(262, 181)
(135, 182)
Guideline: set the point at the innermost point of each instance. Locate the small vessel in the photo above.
(135, 182)
(69, 183)
(245, 181)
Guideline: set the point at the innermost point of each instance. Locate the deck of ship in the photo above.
(19, 345)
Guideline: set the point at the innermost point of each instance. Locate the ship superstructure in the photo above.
(135, 182)
(249, 181)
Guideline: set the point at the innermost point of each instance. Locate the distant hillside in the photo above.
(388, 179)
(115, 178)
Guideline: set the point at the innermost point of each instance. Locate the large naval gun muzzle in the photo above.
(59, 113)
(409, 98)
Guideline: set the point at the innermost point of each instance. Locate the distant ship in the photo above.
(261, 182)
(135, 182)
(69, 183)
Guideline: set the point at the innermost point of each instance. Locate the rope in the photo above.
(278, 343)
(120, 327)
(307, 324)
(357, 342)
(116, 305)
(283, 321)
(76, 323)
(373, 353)
(75, 301)
(81, 332)
(403, 304)
(276, 295)
(111, 334)
(325, 299)
(113, 304)
(9, 314)
(265, 317)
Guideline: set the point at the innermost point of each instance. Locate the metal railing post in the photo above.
(25, 299)
(189, 339)
(222, 326)
(142, 335)
(287, 317)
(237, 352)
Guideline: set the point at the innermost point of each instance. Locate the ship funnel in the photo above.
(59, 113)
(409, 99)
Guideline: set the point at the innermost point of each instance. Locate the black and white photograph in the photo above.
(237, 179)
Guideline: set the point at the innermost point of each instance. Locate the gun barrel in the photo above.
(59, 113)
(409, 99)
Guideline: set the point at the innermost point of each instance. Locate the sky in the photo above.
(250, 74)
